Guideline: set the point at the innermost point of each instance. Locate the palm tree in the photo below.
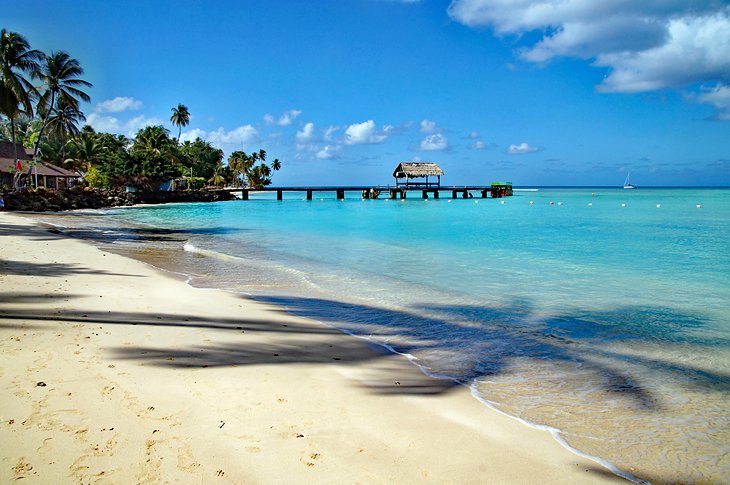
(217, 178)
(180, 117)
(154, 140)
(64, 123)
(276, 164)
(16, 91)
(59, 73)
(241, 163)
(86, 150)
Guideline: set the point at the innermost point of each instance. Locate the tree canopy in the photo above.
(46, 117)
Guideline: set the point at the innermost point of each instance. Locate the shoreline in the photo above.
(409, 426)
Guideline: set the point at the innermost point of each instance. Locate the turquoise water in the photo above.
(603, 313)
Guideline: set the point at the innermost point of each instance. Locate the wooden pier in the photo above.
(375, 192)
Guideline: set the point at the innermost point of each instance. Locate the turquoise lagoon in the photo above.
(603, 314)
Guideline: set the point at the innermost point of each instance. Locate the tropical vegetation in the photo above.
(40, 109)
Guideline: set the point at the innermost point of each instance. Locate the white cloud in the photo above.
(242, 135)
(118, 104)
(647, 45)
(329, 133)
(696, 50)
(107, 124)
(139, 122)
(286, 118)
(365, 133)
(522, 148)
(433, 143)
(111, 124)
(719, 97)
(306, 134)
(428, 126)
(328, 152)
(474, 135)
(192, 135)
(478, 145)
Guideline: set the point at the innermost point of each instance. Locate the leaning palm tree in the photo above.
(276, 164)
(59, 73)
(17, 60)
(180, 117)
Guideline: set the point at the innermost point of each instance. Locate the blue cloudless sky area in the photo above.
(574, 93)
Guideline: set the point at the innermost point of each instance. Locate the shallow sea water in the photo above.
(602, 313)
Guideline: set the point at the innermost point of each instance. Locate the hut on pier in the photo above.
(417, 170)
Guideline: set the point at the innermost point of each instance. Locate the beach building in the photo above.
(49, 175)
(417, 170)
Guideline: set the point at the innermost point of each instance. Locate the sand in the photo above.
(114, 371)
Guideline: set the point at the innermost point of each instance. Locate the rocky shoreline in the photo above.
(56, 200)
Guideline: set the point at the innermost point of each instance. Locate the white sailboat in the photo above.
(627, 182)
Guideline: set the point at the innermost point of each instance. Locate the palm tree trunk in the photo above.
(15, 152)
(43, 125)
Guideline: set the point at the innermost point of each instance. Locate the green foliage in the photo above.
(151, 158)
(201, 156)
(156, 157)
(95, 178)
(58, 103)
(114, 161)
(25, 128)
(17, 60)
(180, 117)
(243, 165)
(84, 150)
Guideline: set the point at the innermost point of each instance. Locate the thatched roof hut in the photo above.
(411, 170)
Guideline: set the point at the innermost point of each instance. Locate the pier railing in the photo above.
(374, 192)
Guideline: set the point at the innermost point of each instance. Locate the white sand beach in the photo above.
(113, 371)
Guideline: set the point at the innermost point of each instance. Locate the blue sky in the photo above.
(549, 92)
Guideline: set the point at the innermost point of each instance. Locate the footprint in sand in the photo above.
(311, 459)
(22, 469)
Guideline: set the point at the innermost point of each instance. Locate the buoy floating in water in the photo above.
(658, 206)
(501, 202)
(552, 203)
(590, 203)
(476, 201)
(699, 206)
(623, 205)
(532, 203)
(560, 203)
(449, 200)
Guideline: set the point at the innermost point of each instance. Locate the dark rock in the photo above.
(45, 200)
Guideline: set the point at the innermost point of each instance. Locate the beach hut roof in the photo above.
(7, 151)
(417, 169)
(7, 162)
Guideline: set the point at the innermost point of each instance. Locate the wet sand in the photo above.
(116, 371)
